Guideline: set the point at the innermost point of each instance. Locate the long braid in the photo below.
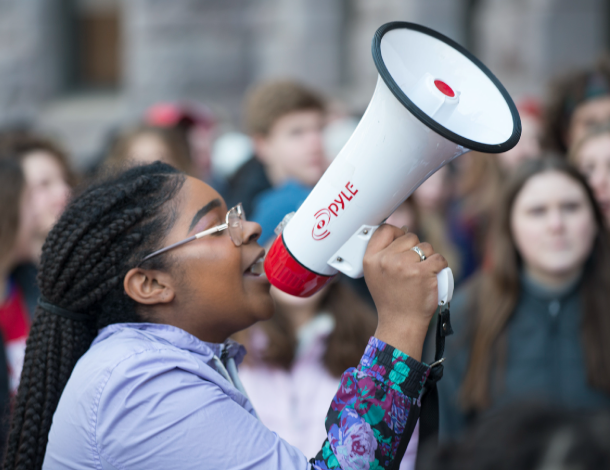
(101, 235)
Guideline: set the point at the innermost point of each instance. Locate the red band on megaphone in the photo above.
(290, 276)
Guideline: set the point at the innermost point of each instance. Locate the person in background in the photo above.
(295, 360)
(49, 179)
(591, 155)
(285, 121)
(576, 103)
(534, 323)
(146, 144)
(531, 135)
(14, 315)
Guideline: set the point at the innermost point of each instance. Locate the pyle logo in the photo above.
(323, 216)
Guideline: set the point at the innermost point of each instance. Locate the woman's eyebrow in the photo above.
(213, 204)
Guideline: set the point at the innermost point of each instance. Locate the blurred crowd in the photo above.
(527, 377)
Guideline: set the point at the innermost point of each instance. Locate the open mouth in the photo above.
(256, 269)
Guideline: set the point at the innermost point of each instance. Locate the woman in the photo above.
(49, 179)
(47, 176)
(128, 363)
(14, 318)
(539, 326)
(592, 157)
(577, 102)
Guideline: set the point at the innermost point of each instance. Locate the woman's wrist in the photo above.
(409, 338)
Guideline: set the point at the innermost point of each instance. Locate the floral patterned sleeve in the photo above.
(367, 417)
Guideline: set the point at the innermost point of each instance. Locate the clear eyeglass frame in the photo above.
(233, 223)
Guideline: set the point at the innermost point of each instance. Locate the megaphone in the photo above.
(433, 102)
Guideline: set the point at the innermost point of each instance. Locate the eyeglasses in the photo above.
(233, 223)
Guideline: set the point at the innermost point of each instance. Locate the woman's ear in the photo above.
(149, 287)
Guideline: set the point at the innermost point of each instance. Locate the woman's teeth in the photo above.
(257, 268)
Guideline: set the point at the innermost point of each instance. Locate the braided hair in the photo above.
(101, 235)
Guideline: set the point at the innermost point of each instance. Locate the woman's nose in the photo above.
(252, 231)
(556, 220)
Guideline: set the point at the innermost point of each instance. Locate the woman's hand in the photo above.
(405, 289)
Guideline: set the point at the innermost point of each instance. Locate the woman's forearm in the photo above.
(367, 417)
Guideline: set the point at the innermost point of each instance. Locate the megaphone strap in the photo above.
(428, 414)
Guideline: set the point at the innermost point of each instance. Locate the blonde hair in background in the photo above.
(269, 101)
(175, 143)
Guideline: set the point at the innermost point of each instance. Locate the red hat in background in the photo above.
(185, 115)
(530, 106)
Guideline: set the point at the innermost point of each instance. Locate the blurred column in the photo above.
(184, 49)
(30, 57)
(527, 42)
(300, 39)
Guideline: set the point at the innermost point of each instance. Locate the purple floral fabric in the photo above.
(367, 417)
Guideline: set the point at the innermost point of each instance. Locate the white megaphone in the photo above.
(434, 101)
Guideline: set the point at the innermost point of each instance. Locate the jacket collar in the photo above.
(179, 338)
(539, 291)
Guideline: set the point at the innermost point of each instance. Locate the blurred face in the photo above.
(588, 115)
(593, 160)
(553, 227)
(294, 149)
(216, 294)
(148, 148)
(49, 191)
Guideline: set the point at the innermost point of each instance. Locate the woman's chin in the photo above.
(263, 305)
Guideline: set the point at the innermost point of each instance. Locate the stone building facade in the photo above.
(78, 68)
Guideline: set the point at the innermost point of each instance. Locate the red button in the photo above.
(444, 88)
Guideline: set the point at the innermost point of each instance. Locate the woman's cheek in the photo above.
(583, 230)
(528, 234)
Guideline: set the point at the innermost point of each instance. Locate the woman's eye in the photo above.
(537, 211)
(571, 206)
(297, 132)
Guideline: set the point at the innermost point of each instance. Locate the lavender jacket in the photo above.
(153, 396)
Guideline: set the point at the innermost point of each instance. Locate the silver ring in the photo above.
(417, 250)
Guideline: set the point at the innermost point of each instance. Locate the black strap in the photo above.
(62, 312)
(428, 411)
(429, 418)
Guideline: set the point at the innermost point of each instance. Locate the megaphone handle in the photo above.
(445, 286)
(348, 260)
